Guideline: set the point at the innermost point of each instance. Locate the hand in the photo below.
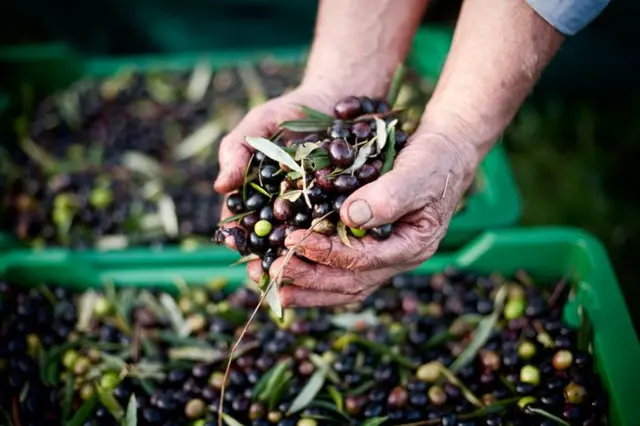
(419, 195)
(234, 153)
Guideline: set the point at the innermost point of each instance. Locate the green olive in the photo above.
(526, 350)
(530, 374)
(358, 233)
(429, 372)
(562, 359)
(69, 358)
(262, 228)
(523, 402)
(194, 408)
(109, 380)
(514, 309)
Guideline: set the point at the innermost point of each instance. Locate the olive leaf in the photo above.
(67, 399)
(253, 85)
(294, 175)
(142, 164)
(337, 398)
(196, 142)
(497, 407)
(196, 353)
(261, 385)
(466, 392)
(272, 297)
(235, 218)
(274, 152)
(375, 421)
(278, 389)
(178, 322)
(482, 332)
(381, 133)
(245, 259)
(305, 149)
(306, 125)
(260, 189)
(276, 374)
(383, 350)
(396, 84)
(342, 233)
(110, 402)
(230, 420)
(543, 413)
(292, 195)
(585, 330)
(390, 153)
(352, 320)
(86, 306)
(84, 412)
(168, 215)
(131, 416)
(315, 114)
(199, 81)
(310, 389)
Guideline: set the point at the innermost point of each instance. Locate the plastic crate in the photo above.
(542, 252)
(496, 204)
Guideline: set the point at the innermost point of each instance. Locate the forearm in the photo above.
(498, 53)
(359, 43)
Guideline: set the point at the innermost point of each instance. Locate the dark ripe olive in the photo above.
(381, 232)
(348, 108)
(323, 180)
(249, 221)
(257, 244)
(302, 219)
(377, 163)
(367, 174)
(300, 205)
(256, 202)
(346, 183)
(339, 130)
(266, 213)
(268, 173)
(340, 153)
(382, 107)
(272, 188)
(361, 130)
(367, 105)
(282, 209)
(259, 157)
(316, 195)
(269, 257)
(277, 236)
(401, 139)
(235, 203)
(338, 202)
(320, 210)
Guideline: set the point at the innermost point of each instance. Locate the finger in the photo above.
(418, 178)
(408, 241)
(234, 153)
(294, 296)
(326, 279)
(254, 270)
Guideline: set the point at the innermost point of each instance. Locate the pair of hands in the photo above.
(419, 195)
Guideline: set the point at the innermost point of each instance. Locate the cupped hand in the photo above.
(419, 196)
(262, 121)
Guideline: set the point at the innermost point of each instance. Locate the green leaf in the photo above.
(294, 175)
(496, 407)
(260, 189)
(292, 195)
(351, 320)
(235, 218)
(327, 406)
(381, 134)
(337, 398)
(230, 420)
(306, 125)
(390, 153)
(315, 114)
(84, 412)
(361, 158)
(39, 155)
(304, 150)
(396, 84)
(275, 376)
(142, 164)
(466, 392)
(272, 297)
(247, 178)
(67, 399)
(385, 350)
(342, 233)
(274, 152)
(545, 414)
(199, 81)
(261, 385)
(278, 390)
(585, 331)
(365, 387)
(376, 421)
(196, 353)
(311, 389)
(131, 416)
(178, 322)
(482, 332)
(168, 215)
(110, 403)
(196, 142)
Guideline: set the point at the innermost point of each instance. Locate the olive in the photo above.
(259, 157)
(367, 105)
(277, 236)
(382, 232)
(269, 257)
(320, 210)
(401, 140)
(235, 203)
(262, 228)
(282, 209)
(257, 244)
(346, 183)
(270, 173)
(249, 221)
(339, 130)
(382, 107)
(323, 179)
(358, 233)
(316, 195)
(341, 153)
(256, 201)
(361, 130)
(302, 219)
(514, 308)
(338, 202)
(348, 108)
(367, 174)
(266, 213)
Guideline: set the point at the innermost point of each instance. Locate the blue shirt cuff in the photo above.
(568, 16)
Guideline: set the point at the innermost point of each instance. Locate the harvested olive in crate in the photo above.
(453, 348)
(129, 160)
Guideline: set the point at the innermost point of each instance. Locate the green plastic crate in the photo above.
(543, 252)
(49, 67)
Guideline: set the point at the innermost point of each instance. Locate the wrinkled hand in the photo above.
(234, 153)
(419, 195)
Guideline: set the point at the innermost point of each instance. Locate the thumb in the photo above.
(234, 153)
(417, 179)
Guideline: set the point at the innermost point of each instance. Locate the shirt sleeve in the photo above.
(568, 16)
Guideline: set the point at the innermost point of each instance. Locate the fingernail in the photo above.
(360, 212)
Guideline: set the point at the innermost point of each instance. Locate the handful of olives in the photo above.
(303, 182)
